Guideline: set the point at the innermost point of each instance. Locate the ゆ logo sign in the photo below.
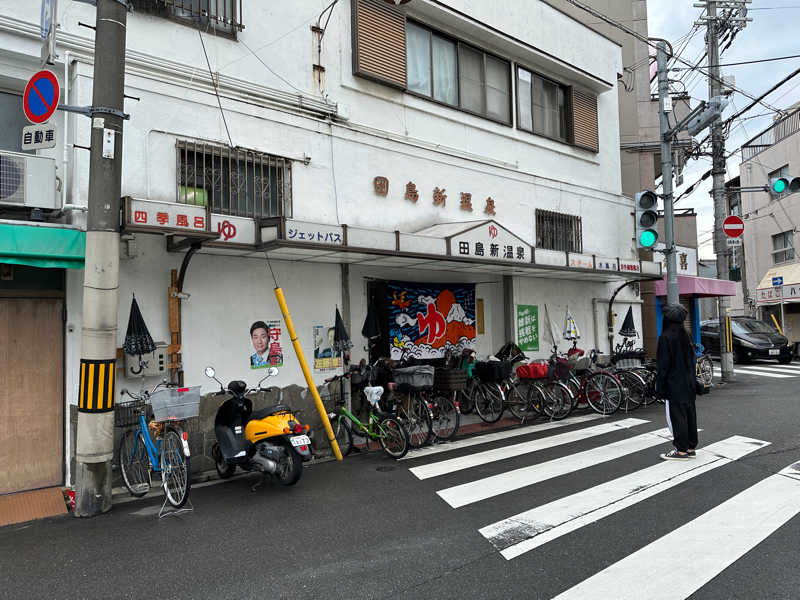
(227, 230)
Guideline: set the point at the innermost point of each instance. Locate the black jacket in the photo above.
(676, 379)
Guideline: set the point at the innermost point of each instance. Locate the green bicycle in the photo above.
(383, 428)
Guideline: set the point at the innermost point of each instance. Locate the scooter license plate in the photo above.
(300, 440)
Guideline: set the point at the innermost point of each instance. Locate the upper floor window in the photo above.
(783, 247)
(558, 231)
(234, 181)
(541, 105)
(221, 16)
(456, 74)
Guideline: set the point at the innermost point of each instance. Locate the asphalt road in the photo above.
(369, 528)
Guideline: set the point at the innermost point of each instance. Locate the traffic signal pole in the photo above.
(666, 176)
(95, 432)
(718, 194)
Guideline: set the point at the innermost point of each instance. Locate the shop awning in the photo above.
(42, 245)
(767, 293)
(703, 287)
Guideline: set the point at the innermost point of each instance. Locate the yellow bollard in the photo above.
(778, 327)
(304, 366)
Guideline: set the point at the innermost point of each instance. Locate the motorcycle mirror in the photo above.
(273, 371)
(123, 391)
(210, 372)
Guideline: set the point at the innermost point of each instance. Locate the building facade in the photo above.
(445, 174)
(771, 275)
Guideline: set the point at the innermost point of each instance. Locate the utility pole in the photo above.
(718, 171)
(95, 435)
(664, 103)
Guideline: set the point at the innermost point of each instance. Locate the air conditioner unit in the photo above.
(28, 181)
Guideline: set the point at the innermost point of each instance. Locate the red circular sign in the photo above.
(40, 99)
(733, 226)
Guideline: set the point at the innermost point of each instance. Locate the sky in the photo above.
(770, 34)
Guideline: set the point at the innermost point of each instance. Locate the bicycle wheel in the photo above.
(416, 418)
(393, 437)
(536, 398)
(558, 400)
(489, 400)
(447, 419)
(343, 435)
(603, 392)
(574, 385)
(134, 463)
(518, 404)
(466, 397)
(634, 389)
(649, 378)
(176, 471)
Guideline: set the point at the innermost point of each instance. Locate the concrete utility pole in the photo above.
(95, 436)
(718, 171)
(664, 101)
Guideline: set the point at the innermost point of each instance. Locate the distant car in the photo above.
(751, 339)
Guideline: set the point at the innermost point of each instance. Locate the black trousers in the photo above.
(682, 421)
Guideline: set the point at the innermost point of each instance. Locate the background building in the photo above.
(467, 154)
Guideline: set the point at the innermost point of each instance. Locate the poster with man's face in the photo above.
(325, 357)
(265, 338)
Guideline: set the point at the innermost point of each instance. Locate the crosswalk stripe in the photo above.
(692, 555)
(499, 435)
(481, 458)
(759, 373)
(771, 369)
(789, 367)
(481, 489)
(533, 528)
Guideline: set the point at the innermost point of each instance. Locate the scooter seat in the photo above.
(270, 410)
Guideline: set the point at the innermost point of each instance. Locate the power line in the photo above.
(642, 38)
(271, 70)
(216, 91)
(744, 62)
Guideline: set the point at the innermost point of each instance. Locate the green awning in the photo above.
(44, 247)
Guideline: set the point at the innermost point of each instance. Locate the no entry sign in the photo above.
(733, 226)
(40, 99)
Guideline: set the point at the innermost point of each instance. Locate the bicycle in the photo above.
(168, 454)
(386, 429)
(600, 390)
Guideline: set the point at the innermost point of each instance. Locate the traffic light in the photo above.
(783, 185)
(646, 203)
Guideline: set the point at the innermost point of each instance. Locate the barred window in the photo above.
(558, 231)
(222, 16)
(234, 181)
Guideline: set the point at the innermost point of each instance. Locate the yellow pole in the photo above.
(307, 373)
(774, 320)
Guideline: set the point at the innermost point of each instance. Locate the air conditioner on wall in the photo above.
(27, 181)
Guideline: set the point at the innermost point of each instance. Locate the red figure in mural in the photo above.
(434, 322)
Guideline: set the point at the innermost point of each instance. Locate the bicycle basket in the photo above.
(176, 404)
(562, 368)
(449, 380)
(420, 376)
(535, 370)
(493, 370)
(126, 414)
(584, 363)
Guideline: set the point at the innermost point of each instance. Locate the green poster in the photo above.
(528, 327)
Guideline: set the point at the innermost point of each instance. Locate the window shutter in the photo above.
(584, 120)
(379, 42)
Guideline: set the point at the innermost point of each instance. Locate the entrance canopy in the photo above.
(790, 290)
(478, 246)
(699, 287)
(42, 245)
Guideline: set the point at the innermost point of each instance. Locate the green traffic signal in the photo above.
(779, 185)
(648, 238)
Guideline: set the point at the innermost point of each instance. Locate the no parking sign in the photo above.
(40, 99)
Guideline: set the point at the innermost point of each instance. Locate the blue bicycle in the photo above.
(140, 454)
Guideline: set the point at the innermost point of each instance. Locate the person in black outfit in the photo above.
(676, 381)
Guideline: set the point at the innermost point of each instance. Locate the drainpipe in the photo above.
(65, 158)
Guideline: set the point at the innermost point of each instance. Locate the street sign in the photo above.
(733, 226)
(777, 281)
(40, 99)
(733, 242)
(47, 29)
(39, 137)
